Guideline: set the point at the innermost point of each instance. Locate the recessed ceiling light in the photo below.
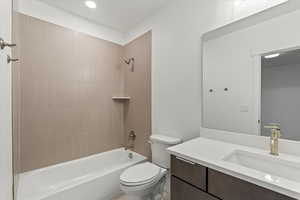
(91, 4)
(272, 55)
(238, 2)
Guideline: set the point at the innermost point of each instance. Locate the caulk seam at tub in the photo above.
(92, 157)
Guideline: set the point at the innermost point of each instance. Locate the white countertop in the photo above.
(210, 153)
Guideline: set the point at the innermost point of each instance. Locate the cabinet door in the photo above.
(231, 188)
(189, 172)
(183, 191)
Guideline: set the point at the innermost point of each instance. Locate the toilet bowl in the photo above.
(146, 181)
(143, 181)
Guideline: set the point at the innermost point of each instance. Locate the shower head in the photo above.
(128, 61)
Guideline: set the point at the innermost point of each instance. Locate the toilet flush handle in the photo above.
(149, 142)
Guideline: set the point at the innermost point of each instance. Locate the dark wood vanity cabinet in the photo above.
(189, 172)
(231, 188)
(190, 181)
(183, 191)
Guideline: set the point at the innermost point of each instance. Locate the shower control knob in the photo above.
(9, 59)
(132, 135)
(4, 44)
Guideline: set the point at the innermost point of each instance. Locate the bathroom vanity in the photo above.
(195, 182)
(205, 169)
(249, 81)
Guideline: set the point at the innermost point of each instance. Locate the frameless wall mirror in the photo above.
(251, 73)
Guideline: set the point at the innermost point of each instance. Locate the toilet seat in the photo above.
(140, 174)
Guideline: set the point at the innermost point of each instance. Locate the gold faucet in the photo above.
(275, 135)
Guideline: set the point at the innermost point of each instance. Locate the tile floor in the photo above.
(166, 191)
(123, 197)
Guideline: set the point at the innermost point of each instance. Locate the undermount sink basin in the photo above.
(273, 167)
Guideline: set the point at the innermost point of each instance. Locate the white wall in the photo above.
(57, 16)
(5, 105)
(177, 31)
(281, 99)
(176, 59)
(226, 11)
(229, 62)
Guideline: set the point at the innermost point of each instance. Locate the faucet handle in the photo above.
(275, 130)
(132, 135)
(274, 126)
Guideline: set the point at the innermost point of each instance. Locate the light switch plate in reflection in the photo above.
(244, 108)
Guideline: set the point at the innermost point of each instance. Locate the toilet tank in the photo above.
(159, 144)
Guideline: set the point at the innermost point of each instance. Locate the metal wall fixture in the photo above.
(130, 140)
(4, 44)
(129, 61)
(132, 135)
(225, 89)
(9, 59)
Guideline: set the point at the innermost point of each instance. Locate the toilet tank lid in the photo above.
(163, 139)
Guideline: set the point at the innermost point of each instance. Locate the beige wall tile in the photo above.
(63, 88)
(138, 87)
(67, 80)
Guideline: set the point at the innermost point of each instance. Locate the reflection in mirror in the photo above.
(280, 92)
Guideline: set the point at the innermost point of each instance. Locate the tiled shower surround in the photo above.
(65, 83)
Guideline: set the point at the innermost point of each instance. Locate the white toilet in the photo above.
(146, 181)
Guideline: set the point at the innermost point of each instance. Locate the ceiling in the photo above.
(286, 58)
(121, 15)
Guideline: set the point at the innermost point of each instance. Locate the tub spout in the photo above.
(130, 155)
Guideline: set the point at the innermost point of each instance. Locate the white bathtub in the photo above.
(91, 178)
